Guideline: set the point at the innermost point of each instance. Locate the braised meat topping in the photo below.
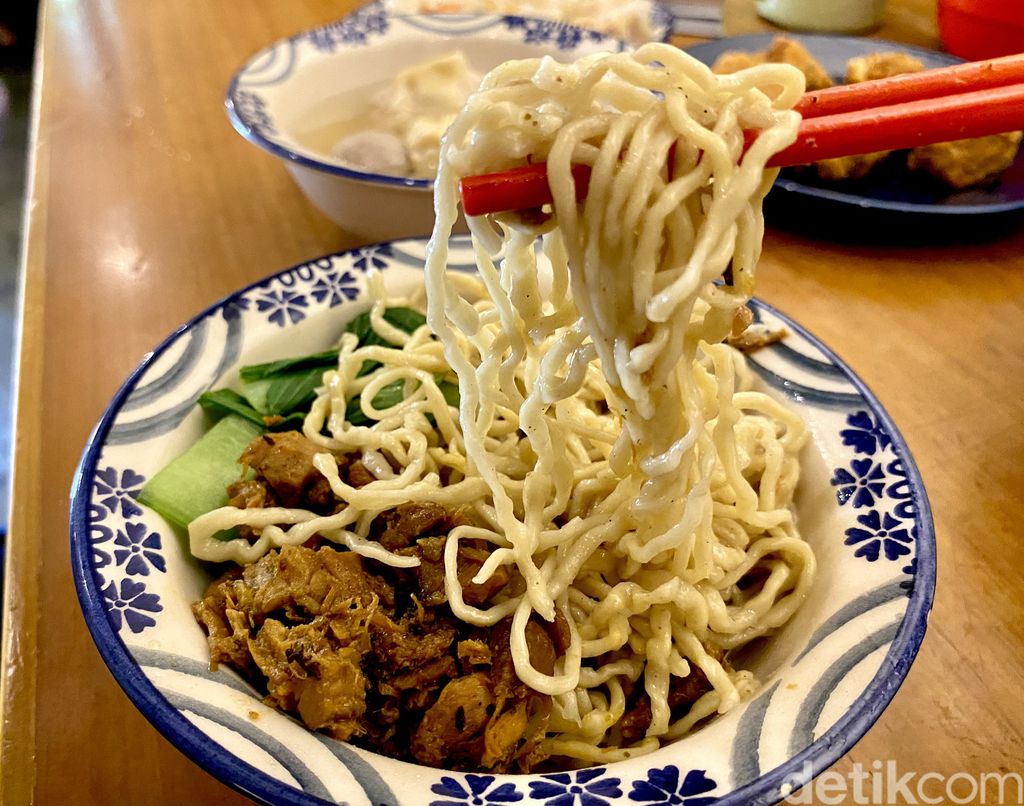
(332, 638)
(284, 462)
(366, 652)
(682, 693)
(372, 654)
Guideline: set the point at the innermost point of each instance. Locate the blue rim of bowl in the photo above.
(864, 202)
(250, 133)
(821, 754)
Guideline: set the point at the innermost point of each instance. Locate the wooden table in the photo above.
(145, 206)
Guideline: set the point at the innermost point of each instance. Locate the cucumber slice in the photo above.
(196, 482)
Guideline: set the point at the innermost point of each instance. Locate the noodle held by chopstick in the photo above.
(636, 532)
(607, 451)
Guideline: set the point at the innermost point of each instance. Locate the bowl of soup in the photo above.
(355, 109)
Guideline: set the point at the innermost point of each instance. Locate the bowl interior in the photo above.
(333, 95)
(298, 96)
(824, 678)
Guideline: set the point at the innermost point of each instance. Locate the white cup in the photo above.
(839, 16)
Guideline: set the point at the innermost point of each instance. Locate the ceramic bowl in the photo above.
(660, 23)
(298, 85)
(825, 677)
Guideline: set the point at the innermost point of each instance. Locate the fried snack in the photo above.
(839, 169)
(732, 61)
(784, 50)
(792, 52)
(966, 163)
(866, 68)
(959, 164)
(880, 65)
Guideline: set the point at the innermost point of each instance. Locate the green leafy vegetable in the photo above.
(196, 482)
(289, 385)
(450, 391)
(284, 394)
(390, 395)
(255, 394)
(222, 402)
(405, 319)
(286, 366)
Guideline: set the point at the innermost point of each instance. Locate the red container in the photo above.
(982, 29)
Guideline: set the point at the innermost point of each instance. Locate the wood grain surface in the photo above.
(145, 206)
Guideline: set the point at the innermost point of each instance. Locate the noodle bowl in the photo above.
(607, 443)
(627, 19)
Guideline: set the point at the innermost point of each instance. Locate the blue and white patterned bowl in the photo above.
(295, 85)
(825, 677)
(661, 22)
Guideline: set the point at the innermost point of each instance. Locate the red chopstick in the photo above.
(958, 78)
(931, 107)
(908, 125)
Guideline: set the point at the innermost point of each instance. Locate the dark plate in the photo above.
(891, 200)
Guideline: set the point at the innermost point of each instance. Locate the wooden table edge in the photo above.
(18, 653)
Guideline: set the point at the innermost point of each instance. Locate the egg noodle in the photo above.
(607, 446)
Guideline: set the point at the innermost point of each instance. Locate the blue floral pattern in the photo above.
(123, 545)
(882, 532)
(355, 29)
(252, 108)
(335, 288)
(564, 35)
(877, 482)
(131, 602)
(138, 550)
(586, 787)
(476, 791)
(373, 257)
(286, 307)
(119, 490)
(663, 786)
(865, 434)
(863, 483)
